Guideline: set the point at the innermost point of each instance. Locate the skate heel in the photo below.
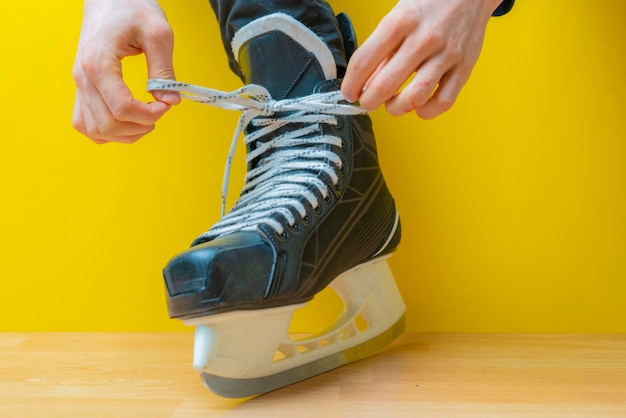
(246, 353)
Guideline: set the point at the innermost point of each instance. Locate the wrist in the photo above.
(488, 7)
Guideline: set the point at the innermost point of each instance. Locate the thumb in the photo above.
(159, 54)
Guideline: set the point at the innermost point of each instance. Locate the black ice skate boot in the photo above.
(315, 211)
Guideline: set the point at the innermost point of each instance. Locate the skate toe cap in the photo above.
(215, 275)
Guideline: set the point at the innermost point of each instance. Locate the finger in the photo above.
(158, 48)
(103, 71)
(81, 119)
(376, 49)
(124, 107)
(78, 119)
(414, 51)
(384, 85)
(99, 126)
(171, 98)
(376, 72)
(446, 94)
(417, 92)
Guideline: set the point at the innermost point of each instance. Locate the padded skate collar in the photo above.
(286, 24)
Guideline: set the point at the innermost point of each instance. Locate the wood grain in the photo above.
(420, 375)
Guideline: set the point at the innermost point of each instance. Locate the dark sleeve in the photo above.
(504, 8)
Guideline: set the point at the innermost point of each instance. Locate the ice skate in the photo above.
(314, 212)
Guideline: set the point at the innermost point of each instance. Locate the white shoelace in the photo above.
(283, 178)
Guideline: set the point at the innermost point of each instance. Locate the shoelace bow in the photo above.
(281, 178)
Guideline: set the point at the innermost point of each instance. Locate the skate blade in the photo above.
(242, 388)
(246, 353)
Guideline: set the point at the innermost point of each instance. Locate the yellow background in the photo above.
(513, 204)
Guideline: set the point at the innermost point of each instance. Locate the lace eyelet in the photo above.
(306, 219)
(343, 146)
(317, 210)
(327, 199)
(284, 236)
(295, 227)
(339, 123)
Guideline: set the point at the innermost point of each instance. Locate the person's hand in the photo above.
(105, 109)
(438, 41)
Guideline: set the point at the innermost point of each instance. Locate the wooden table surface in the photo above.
(420, 375)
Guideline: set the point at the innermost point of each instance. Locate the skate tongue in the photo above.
(283, 55)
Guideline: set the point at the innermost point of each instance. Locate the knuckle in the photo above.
(455, 54)
(357, 61)
(383, 87)
(416, 103)
(464, 69)
(88, 65)
(435, 108)
(166, 73)
(421, 88)
(426, 112)
(105, 130)
(79, 124)
(395, 30)
(393, 110)
(77, 75)
(445, 103)
(432, 38)
(396, 24)
(119, 110)
(160, 33)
